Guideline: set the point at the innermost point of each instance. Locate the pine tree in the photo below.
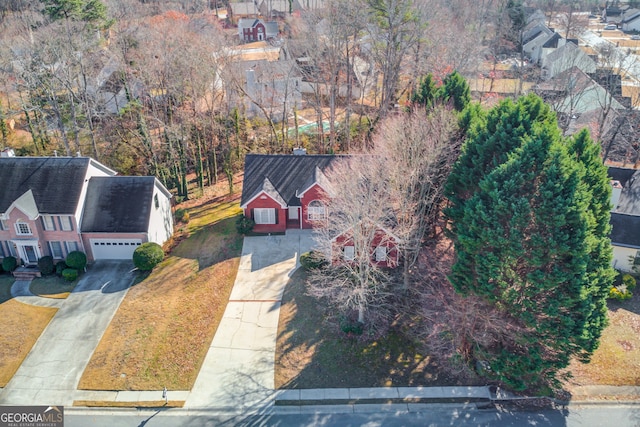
(455, 89)
(426, 92)
(530, 219)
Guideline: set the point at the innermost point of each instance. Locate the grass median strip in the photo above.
(111, 404)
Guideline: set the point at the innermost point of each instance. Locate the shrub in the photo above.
(620, 294)
(629, 281)
(60, 267)
(351, 327)
(147, 255)
(45, 265)
(70, 274)
(182, 215)
(9, 263)
(312, 260)
(77, 260)
(244, 225)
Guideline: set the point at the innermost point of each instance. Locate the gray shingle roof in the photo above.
(118, 204)
(56, 182)
(287, 174)
(625, 230)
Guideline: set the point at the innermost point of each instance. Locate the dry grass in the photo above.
(164, 326)
(310, 353)
(617, 360)
(111, 404)
(21, 326)
(52, 287)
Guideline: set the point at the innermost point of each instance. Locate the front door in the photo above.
(30, 254)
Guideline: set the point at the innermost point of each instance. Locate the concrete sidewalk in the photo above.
(237, 372)
(20, 292)
(50, 373)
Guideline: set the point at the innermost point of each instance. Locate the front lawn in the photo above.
(52, 286)
(21, 326)
(617, 360)
(312, 354)
(162, 331)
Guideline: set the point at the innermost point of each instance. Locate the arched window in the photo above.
(316, 210)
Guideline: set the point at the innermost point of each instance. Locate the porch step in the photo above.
(22, 273)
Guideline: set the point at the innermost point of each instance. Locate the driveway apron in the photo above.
(50, 373)
(238, 371)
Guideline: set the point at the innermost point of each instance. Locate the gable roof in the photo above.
(288, 174)
(625, 230)
(118, 204)
(55, 182)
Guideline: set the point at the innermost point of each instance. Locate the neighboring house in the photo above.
(251, 30)
(56, 205)
(279, 8)
(533, 40)
(630, 20)
(285, 191)
(565, 57)
(243, 9)
(270, 88)
(382, 253)
(573, 92)
(625, 217)
(122, 212)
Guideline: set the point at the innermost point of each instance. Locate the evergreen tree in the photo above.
(426, 92)
(530, 219)
(455, 89)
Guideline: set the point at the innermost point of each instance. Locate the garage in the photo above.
(114, 248)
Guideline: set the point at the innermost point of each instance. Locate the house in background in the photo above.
(251, 30)
(625, 217)
(630, 20)
(56, 205)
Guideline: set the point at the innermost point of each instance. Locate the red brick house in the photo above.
(383, 251)
(283, 192)
(254, 32)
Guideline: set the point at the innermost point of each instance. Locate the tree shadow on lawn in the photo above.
(314, 353)
(212, 244)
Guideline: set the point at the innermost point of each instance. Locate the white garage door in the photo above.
(114, 248)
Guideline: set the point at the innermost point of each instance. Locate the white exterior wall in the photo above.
(161, 218)
(632, 26)
(621, 260)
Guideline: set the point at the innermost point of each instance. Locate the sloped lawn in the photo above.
(21, 326)
(165, 324)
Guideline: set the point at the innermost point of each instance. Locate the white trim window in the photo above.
(71, 246)
(349, 253)
(23, 229)
(65, 223)
(6, 248)
(316, 210)
(264, 215)
(56, 250)
(381, 253)
(48, 223)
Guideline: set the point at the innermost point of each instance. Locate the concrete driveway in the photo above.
(50, 373)
(237, 373)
